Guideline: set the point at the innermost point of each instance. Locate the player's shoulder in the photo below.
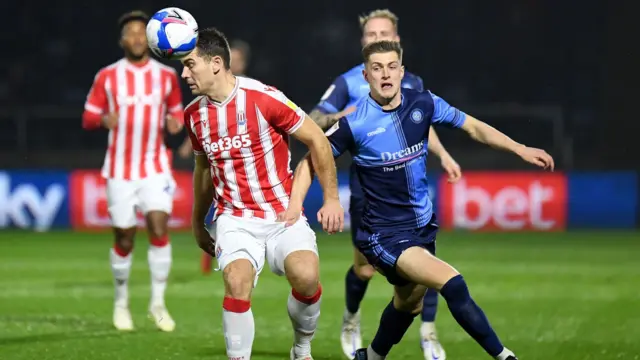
(109, 69)
(194, 105)
(259, 92)
(417, 95)
(355, 73)
(412, 81)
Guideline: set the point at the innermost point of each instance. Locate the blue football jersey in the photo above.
(351, 86)
(389, 150)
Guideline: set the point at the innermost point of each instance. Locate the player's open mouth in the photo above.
(386, 86)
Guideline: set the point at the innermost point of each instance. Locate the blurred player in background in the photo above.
(398, 229)
(239, 129)
(135, 98)
(337, 101)
(240, 56)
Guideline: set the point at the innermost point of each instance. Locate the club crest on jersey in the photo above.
(242, 119)
(417, 116)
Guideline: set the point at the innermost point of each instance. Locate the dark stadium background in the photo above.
(560, 75)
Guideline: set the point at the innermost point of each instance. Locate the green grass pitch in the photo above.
(566, 296)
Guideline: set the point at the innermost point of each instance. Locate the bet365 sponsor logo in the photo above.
(227, 143)
(505, 201)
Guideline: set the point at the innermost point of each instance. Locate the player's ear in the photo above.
(364, 73)
(401, 71)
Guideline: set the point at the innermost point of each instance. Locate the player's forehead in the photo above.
(192, 57)
(379, 25)
(134, 26)
(384, 58)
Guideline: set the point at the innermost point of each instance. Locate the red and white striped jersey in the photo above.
(142, 96)
(246, 140)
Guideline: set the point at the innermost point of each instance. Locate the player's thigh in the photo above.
(121, 202)
(156, 193)
(418, 265)
(361, 265)
(235, 240)
(297, 239)
(409, 297)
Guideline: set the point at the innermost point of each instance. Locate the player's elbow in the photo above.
(90, 120)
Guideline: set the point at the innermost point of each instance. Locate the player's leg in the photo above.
(419, 266)
(431, 347)
(156, 202)
(357, 278)
(241, 258)
(121, 204)
(395, 320)
(356, 283)
(292, 251)
(206, 261)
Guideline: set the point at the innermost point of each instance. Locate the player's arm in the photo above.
(175, 111)
(484, 133)
(328, 110)
(446, 160)
(96, 106)
(340, 140)
(203, 192)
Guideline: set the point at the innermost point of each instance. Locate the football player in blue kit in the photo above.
(337, 101)
(398, 229)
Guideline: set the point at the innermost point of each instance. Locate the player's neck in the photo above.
(221, 90)
(139, 62)
(387, 104)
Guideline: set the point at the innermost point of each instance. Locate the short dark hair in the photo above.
(243, 47)
(212, 42)
(383, 46)
(135, 15)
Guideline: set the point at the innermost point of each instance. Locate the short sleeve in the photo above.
(174, 99)
(445, 114)
(281, 112)
(192, 131)
(340, 137)
(336, 97)
(97, 102)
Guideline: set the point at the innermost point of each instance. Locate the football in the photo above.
(172, 33)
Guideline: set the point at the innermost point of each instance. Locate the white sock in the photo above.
(120, 267)
(304, 318)
(505, 354)
(372, 355)
(238, 327)
(159, 266)
(427, 328)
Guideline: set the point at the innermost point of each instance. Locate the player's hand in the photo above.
(185, 151)
(290, 216)
(174, 125)
(537, 157)
(342, 113)
(452, 168)
(110, 121)
(205, 241)
(331, 216)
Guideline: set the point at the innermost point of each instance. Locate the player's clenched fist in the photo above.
(331, 216)
(110, 121)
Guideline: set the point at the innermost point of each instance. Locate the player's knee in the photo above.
(157, 224)
(408, 305)
(124, 239)
(364, 272)
(301, 269)
(238, 277)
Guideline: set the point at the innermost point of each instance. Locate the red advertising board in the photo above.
(88, 201)
(509, 201)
